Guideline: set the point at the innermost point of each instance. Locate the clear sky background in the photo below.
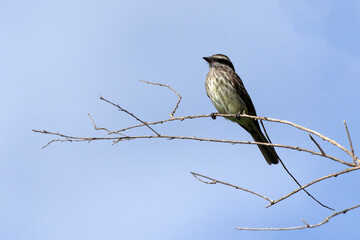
(299, 60)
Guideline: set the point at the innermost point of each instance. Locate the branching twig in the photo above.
(164, 85)
(292, 176)
(350, 142)
(122, 138)
(67, 138)
(100, 128)
(316, 181)
(354, 166)
(126, 111)
(302, 227)
(160, 122)
(296, 181)
(318, 145)
(296, 126)
(273, 202)
(253, 117)
(214, 181)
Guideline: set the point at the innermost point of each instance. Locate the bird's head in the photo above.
(219, 60)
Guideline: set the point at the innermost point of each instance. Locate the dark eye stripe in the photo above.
(225, 61)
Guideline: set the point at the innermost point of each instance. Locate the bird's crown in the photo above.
(219, 60)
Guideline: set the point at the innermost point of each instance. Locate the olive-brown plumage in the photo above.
(229, 96)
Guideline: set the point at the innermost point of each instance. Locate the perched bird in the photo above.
(229, 96)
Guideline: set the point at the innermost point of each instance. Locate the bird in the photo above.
(227, 92)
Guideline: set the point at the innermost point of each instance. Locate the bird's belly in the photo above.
(225, 98)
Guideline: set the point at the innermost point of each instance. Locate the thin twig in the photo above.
(292, 176)
(351, 145)
(94, 125)
(253, 117)
(100, 128)
(316, 181)
(67, 138)
(126, 111)
(164, 85)
(301, 227)
(303, 188)
(272, 202)
(264, 129)
(214, 181)
(160, 122)
(306, 224)
(312, 139)
(296, 126)
(124, 138)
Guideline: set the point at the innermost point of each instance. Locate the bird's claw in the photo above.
(238, 115)
(213, 116)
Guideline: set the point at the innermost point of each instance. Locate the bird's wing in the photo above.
(240, 88)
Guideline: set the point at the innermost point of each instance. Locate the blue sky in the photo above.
(300, 61)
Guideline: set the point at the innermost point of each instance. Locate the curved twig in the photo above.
(126, 111)
(316, 181)
(214, 181)
(301, 227)
(247, 116)
(164, 85)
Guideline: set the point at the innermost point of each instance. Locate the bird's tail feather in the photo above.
(268, 152)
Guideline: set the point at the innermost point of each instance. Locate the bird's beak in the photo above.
(207, 59)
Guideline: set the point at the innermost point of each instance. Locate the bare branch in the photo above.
(123, 138)
(214, 181)
(160, 122)
(259, 118)
(124, 110)
(306, 224)
(355, 164)
(292, 176)
(302, 227)
(298, 127)
(296, 181)
(67, 138)
(101, 128)
(164, 85)
(272, 202)
(312, 139)
(316, 181)
(264, 129)
(351, 145)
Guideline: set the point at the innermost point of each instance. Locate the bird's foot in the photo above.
(213, 116)
(238, 115)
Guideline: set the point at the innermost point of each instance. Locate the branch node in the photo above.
(129, 113)
(355, 159)
(306, 224)
(318, 145)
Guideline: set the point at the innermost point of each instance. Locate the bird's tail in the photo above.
(268, 152)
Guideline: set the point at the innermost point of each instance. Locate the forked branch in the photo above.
(306, 224)
(120, 136)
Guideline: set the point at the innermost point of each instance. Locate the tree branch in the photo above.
(302, 227)
(214, 181)
(126, 111)
(351, 146)
(164, 85)
(316, 181)
(318, 145)
(355, 165)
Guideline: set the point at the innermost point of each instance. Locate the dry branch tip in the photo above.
(173, 90)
